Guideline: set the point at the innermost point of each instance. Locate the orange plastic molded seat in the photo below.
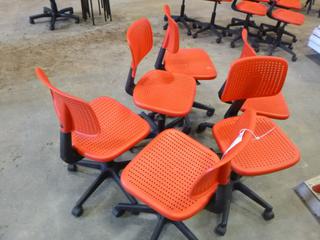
(288, 16)
(271, 153)
(292, 4)
(121, 129)
(193, 62)
(253, 8)
(165, 93)
(102, 129)
(158, 91)
(161, 175)
(274, 107)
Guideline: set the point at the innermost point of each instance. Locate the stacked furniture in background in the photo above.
(54, 14)
(314, 40)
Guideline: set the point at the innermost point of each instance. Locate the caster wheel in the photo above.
(268, 215)
(165, 18)
(72, 168)
(294, 58)
(290, 47)
(77, 211)
(220, 230)
(218, 40)
(117, 213)
(194, 25)
(51, 28)
(165, 27)
(189, 33)
(195, 35)
(77, 21)
(201, 128)
(31, 21)
(232, 45)
(210, 113)
(294, 40)
(186, 130)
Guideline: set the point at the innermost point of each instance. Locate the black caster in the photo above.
(232, 45)
(195, 35)
(165, 27)
(189, 33)
(72, 168)
(290, 47)
(51, 28)
(186, 130)
(117, 213)
(218, 40)
(77, 21)
(268, 215)
(77, 211)
(31, 21)
(294, 58)
(220, 230)
(201, 128)
(210, 113)
(294, 40)
(194, 25)
(165, 18)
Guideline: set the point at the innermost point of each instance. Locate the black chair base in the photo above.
(159, 122)
(212, 26)
(184, 19)
(121, 208)
(223, 201)
(237, 33)
(277, 41)
(107, 170)
(54, 14)
(210, 110)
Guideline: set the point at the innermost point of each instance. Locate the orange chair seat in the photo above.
(293, 4)
(163, 173)
(193, 62)
(271, 153)
(288, 16)
(165, 93)
(253, 8)
(121, 129)
(273, 107)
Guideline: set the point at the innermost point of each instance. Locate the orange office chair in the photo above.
(100, 130)
(163, 93)
(268, 151)
(194, 62)
(250, 8)
(251, 78)
(176, 177)
(283, 18)
(274, 106)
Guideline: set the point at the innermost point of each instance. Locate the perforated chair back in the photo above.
(73, 113)
(220, 173)
(140, 41)
(247, 50)
(172, 39)
(258, 76)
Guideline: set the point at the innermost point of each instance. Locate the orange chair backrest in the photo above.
(73, 113)
(172, 39)
(220, 173)
(247, 50)
(140, 41)
(258, 76)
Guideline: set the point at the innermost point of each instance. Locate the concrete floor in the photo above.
(36, 191)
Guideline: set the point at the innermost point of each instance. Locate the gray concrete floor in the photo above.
(36, 191)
